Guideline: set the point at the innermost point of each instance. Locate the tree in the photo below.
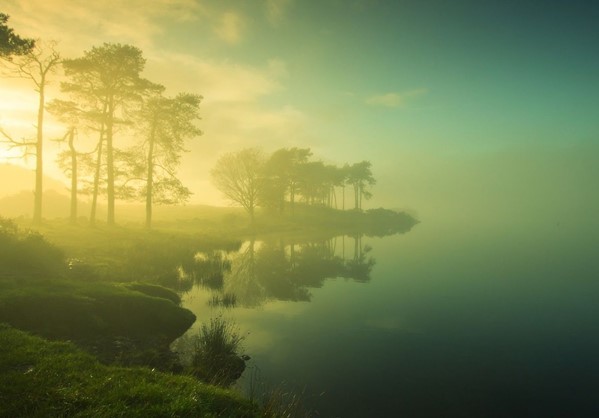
(282, 172)
(10, 43)
(70, 115)
(310, 181)
(238, 176)
(36, 65)
(107, 80)
(166, 124)
(333, 177)
(360, 176)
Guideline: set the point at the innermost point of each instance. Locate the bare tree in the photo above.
(36, 65)
(238, 176)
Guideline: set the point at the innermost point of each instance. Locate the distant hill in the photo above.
(14, 179)
(54, 205)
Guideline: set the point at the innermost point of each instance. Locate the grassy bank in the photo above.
(44, 379)
(97, 287)
(130, 252)
(68, 309)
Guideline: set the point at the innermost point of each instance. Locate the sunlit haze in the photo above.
(445, 98)
(299, 208)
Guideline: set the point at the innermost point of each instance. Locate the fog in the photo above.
(294, 208)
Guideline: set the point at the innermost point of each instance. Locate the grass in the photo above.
(61, 286)
(216, 358)
(277, 401)
(68, 309)
(52, 379)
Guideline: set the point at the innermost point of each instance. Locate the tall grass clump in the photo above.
(277, 401)
(216, 358)
(280, 403)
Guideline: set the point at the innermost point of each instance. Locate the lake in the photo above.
(457, 317)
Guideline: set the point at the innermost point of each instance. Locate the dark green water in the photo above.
(453, 319)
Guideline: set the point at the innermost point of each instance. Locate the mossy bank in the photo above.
(51, 379)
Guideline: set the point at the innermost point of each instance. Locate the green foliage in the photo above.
(165, 124)
(11, 43)
(106, 83)
(41, 378)
(282, 176)
(360, 177)
(288, 175)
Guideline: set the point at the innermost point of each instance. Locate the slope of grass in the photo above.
(68, 309)
(48, 379)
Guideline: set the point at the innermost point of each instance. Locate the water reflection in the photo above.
(276, 269)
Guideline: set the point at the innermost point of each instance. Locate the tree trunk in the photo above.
(292, 198)
(73, 217)
(356, 192)
(251, 212)
(110, 165)
(360, 197)
(39, 162)
(335, 197)
(150, 180)
(92, 215)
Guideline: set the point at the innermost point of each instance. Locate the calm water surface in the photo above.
(454, 318)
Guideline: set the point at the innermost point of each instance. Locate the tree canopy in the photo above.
(136, 135)
(249, 179)
(107, 81)
(11, 43)
(165, 124)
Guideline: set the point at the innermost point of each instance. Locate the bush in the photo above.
(27, 254)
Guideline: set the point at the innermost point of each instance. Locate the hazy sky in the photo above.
(446, 98)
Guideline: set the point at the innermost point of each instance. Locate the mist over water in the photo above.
(458, 317)
(390, 207)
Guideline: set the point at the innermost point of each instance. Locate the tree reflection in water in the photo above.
(276, 270)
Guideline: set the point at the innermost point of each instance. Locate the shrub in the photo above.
(27, 254)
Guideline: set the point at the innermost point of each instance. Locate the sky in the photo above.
(456, 103)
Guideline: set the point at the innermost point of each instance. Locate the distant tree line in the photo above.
(288, 175)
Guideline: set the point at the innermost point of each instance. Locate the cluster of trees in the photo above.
(124, 138)
(276, 181)
(106, 101)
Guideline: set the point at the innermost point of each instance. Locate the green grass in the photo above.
(51, 379)
(69, 309)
